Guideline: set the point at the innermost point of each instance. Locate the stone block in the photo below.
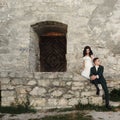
(69, 83)
(38, 102)
(115, 104)
(7, 93)
(57, 93)
(84, 100)
(32, 82)
(4, 74)
(19, 74)
(44, 82)
(96, 100)
(56, 83)
(89, 93)
(38, 91)
(52, 102)
(77, 94)
(8, 101)
(68, 96)
(11, 74)
(62, 83)
(78, 77)
(7, 87)
(21, 90)
(78, 84)
(73, 101)
(77, 88)
(28, 74)
(19, 81)
(50, 75)
(37, 75)
(65, 76)
(63, 102)
(4, 80)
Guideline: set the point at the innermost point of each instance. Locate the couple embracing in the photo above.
(93, 70)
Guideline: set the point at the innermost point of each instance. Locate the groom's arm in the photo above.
(92, 75)
(91, 72)
(100, 73)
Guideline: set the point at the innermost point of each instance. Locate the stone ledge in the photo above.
(50, 90)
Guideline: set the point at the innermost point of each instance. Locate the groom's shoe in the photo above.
(108, 107)
(98, 92)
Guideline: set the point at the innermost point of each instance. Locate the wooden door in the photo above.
(53, 53)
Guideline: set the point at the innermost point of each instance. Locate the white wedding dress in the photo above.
(87, 65)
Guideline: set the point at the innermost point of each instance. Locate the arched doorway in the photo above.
(52, 45)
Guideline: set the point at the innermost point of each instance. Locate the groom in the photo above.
(96, 77)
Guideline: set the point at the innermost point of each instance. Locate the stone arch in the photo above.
(48, 47)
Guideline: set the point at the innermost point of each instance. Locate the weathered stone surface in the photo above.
(4, 80)
(44, 83)
(4, 74)
(7, 101)
(57, 93)
(48, 93)
(96, 100)
(32, 82)
(73, 101)
(77, 87)
(56, 83)
(8, 87)
(115, 104)
(98, 24)
(68, 83)
(52, 102)
(78, 84)
(84, 101)
(11, 74)
(89, 22)
(88, 93)
(38, 91)
(21, 90)
(7, 93)
(62, 102)
(68, 96)
(37, 102)
(20, 81)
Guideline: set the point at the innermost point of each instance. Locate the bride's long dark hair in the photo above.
(85, 49)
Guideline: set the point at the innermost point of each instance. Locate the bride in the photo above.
(87, 62)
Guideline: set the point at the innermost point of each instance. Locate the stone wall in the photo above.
(90, 22)
(48, 90)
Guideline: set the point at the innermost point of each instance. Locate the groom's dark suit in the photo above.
(101, 80)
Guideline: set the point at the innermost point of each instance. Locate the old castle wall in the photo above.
(90, 22)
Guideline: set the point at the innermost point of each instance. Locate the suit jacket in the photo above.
(99, 72)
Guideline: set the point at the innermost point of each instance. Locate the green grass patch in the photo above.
(115, 95)
(71, 116)
(16, 109)
(92, 107)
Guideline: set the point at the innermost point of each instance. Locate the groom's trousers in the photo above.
(103, 83)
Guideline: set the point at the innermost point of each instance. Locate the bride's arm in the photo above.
(92, 57)
(83, 66)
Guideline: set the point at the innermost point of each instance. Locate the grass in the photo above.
(92, 107)
(115, 95)
(71, 116)
(16, 109)
(77, 116)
